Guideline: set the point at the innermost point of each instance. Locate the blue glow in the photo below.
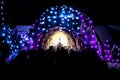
(54, 21)
(4, 28)
(9, 36)
(78, 28)
(61, 15)
(77, 17)
(43, 29)
(51, 12)
(42, 22)
(17, 46)
(3, 34)
(52, 8)
(55, 12)
(49, 20)
(20, 41)
(54, 17)
(48, 17)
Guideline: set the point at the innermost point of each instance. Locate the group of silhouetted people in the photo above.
(86, 60)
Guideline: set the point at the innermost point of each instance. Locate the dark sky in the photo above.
(25, 12)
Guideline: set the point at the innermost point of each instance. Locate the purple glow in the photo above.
(96, 46)
(108, 45)
(31, 47)
(83, 31)
(28, 42)
(117, 60)
(92, 47)
(106, 40)
(90, 22)
(81, 16)
(85, 36)
(93, 36)
(33, 33)
(85, 25)
(82, 20)
(38, 28)
(104, 44)
(98, 52)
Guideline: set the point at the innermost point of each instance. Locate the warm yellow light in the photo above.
(59, 37)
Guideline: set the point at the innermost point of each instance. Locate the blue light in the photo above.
(48, 17)
(69, 30)
(54, 21)
(17, 46)
(78, 28)
(55, 12)
(68, 19)
(77, 17)
(43, 18)
(63, 22)
(63, 12)
(3, 34)
(65, 17)
(43, 29)
(4, 28)
(48, 25)
(62, 19)
(52, 8)
(41, 22)
(54, 17)
(51, 12)
(9, 36)
(21, 42)
(49, 20)
(61, 15)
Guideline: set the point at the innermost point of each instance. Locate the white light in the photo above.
(43, 18)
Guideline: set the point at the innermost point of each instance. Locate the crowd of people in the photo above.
(86, 60)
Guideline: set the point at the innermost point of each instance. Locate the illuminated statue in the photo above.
(59, 45)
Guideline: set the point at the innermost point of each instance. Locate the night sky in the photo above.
(25, 12)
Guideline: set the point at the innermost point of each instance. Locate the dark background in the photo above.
(25, 12)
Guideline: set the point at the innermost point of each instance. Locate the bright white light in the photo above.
(59, 37)
(49, 20)
(77, 17)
